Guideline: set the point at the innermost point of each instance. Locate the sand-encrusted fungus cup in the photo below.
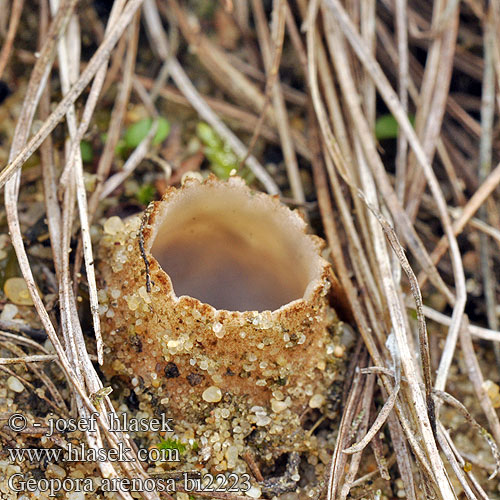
(218, 301)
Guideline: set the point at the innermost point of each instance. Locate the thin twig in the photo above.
(185, 85)
(15, 16)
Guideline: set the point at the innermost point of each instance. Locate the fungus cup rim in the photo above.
(154, 219)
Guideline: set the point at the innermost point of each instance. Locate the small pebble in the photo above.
(212, 395)
(217, 329)
(76, 495)
(113, 225)
(262, 420)
(254, 492)
(54, 470)
(231, 455)
(317, 401)
(339, 351)
(493, 391)
(278, 406)
(9, 312)
(16, 290)
(292, 495)
(14, 384)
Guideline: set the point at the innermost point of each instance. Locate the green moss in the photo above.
(386, 127)
(86, 151)
(145, 194)
(172, 444)
(136, 132)
(221, 157)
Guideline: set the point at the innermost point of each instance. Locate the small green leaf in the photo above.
(136, 133)
(121, 148)
(208, 136)
(145, 194)
(87, 152)
(222, 161)
(162, 131)
(386, 127)
(172, 444)
(221, 157)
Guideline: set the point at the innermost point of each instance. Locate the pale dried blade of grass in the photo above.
(131, 164)
(14, 18)
(114, 129)
(68, 50)
(417, 296)
(272, 71)
(434, 93)
(397, 319)
(393, 104)
(185, 85)
(75, 162)
(485, 160)
(339, 459)
(393, 303)
(72, 319)
(463, 465)
(364, 416)
(55, 117)
(271, 49)
(476, 377)
(403, 77)
(35, 87)
(402, 455)
(476, 331)
(372, 156)
(468, 211)
(377, 424)
(34, 358)
(481, 431)
(459, 473)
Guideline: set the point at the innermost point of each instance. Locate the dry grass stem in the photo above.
(296, 94)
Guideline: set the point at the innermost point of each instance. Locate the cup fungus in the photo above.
(218, 296)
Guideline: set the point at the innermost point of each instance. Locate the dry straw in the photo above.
(345, 56)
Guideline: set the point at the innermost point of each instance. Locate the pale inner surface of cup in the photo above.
(233, 251)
